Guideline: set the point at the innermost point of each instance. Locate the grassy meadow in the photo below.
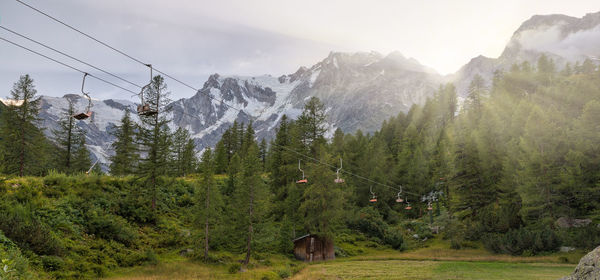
(434, 261)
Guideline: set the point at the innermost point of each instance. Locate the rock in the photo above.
(566, 222)
(566, 249)
(588, 267)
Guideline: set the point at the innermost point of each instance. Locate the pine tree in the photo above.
(209, 199)
(126, 158)
(322, 203)
(262, 153)
(473, 102)
(154, 136)
(81, 158)
(24, 150)
(250, 196)
(221, 157)
(184, 156)
(67, 138)
(312, 124)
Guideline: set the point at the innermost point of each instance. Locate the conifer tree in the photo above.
(184, 155)
(209, 200)
(24, 150)
(67, 137)
(262, 153)
(251, 196)
(81, 158)
(322, 203)
(126, 158)
(312, 124)
(221, 157)
(154, 136)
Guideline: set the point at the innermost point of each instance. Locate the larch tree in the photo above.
(153, 136)
(126, 158)
(67, 137)
(312, 124)
(209, 199)
(24, 150)
(81, 158)
(251, 196)
(184, 155)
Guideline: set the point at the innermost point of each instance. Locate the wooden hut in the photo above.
(313, 248)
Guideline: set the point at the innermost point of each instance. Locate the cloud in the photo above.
(573, 46)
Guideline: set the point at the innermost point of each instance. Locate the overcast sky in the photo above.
(192, 39)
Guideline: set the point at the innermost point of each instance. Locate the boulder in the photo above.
(588, 267)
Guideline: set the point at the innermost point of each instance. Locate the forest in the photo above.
(513, 166)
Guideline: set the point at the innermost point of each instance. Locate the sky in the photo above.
(192, 39)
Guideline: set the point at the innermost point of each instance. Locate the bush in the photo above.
(21, 225)
(522, 241)
(284, 273)
(371, 223)
(52, 263)
(13, 264)
(234, 268)
(110, 227)
(587, 237)
(393, 237)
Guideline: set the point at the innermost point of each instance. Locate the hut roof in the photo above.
(301, 237)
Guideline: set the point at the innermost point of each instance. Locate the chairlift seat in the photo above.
(303, 181)
(429, 208)
(399, 200)
(145, 110)
(373, 200)
(338, 180)
(408, 207)
(82, 116)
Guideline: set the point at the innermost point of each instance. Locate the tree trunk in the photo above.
(22, 154)
(250, 229)
(69, 135)
(206, 222)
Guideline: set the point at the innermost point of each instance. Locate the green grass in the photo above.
(403, 269)
(434, 260)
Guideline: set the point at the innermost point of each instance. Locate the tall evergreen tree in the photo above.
(126, 158)
(154, 137)
(81, 158)
(67, 137)
(24, 151)
(251, 196)
(209, 200)
(312, 124)
(184, 155)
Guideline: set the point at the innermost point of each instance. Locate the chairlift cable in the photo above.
(69, 56)
(123, 53)
(66, 65)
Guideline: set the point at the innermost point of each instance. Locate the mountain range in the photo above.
(359, 90)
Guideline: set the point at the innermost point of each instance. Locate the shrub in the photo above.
(284, 273)
(52, 263)
(393, 237)
(13, 264)
(234, 268)
(20, 225)
(110, 227)
(522, 241)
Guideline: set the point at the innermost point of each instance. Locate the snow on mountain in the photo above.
(359, 90)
